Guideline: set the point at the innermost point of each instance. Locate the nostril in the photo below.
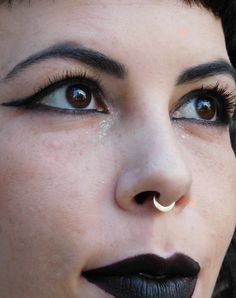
(144, 196)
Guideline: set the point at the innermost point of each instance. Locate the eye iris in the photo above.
(78, 96)
(206, 108)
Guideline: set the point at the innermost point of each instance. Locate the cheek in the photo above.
(212, 204)
(215, 182)
(49, 201)
(213, 200)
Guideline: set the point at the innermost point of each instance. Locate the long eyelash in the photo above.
(227, 97)
(224, 99)
(68, 76)
(59, 80)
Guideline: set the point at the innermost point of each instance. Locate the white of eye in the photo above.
(59, 99)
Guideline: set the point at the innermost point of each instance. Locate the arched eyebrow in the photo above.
(74, 52)
(206, 70)
(70, 50)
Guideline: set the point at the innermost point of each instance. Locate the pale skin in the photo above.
(68, 182)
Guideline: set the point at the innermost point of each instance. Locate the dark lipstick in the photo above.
(147, 276)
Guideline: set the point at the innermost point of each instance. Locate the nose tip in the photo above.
(168, 180)
(155, 163)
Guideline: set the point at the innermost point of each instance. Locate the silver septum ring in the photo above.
(162, 208)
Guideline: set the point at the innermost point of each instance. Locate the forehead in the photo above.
(150, 30)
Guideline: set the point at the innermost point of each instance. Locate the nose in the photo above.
(155, 164)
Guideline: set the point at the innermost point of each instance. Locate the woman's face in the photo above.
(74, 161)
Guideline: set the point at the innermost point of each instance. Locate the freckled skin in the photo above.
(68, 182)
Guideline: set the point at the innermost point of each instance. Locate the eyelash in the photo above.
(224, 100)
(56, 82)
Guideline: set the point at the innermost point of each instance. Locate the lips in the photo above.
(147, 276)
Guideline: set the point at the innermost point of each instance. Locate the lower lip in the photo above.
(142, 287)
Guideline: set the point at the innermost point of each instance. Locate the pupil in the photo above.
(78, 96)
(206, 108)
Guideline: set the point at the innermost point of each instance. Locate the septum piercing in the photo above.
(162, 208)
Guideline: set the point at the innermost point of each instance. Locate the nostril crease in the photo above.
(144, 196)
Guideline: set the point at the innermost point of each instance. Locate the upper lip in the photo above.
(150, 264)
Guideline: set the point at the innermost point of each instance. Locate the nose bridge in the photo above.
(154, 163)
(153, 140)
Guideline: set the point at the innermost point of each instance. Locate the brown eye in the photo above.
(75, 98)
(79, 96)
(206, 108)
(198, 107)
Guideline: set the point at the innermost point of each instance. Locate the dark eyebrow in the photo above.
(74, 52)
(206, 70)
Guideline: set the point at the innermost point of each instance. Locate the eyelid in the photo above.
(58, 81)
(210, 90)
(225, 102)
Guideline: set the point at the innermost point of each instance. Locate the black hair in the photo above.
(225, 10)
